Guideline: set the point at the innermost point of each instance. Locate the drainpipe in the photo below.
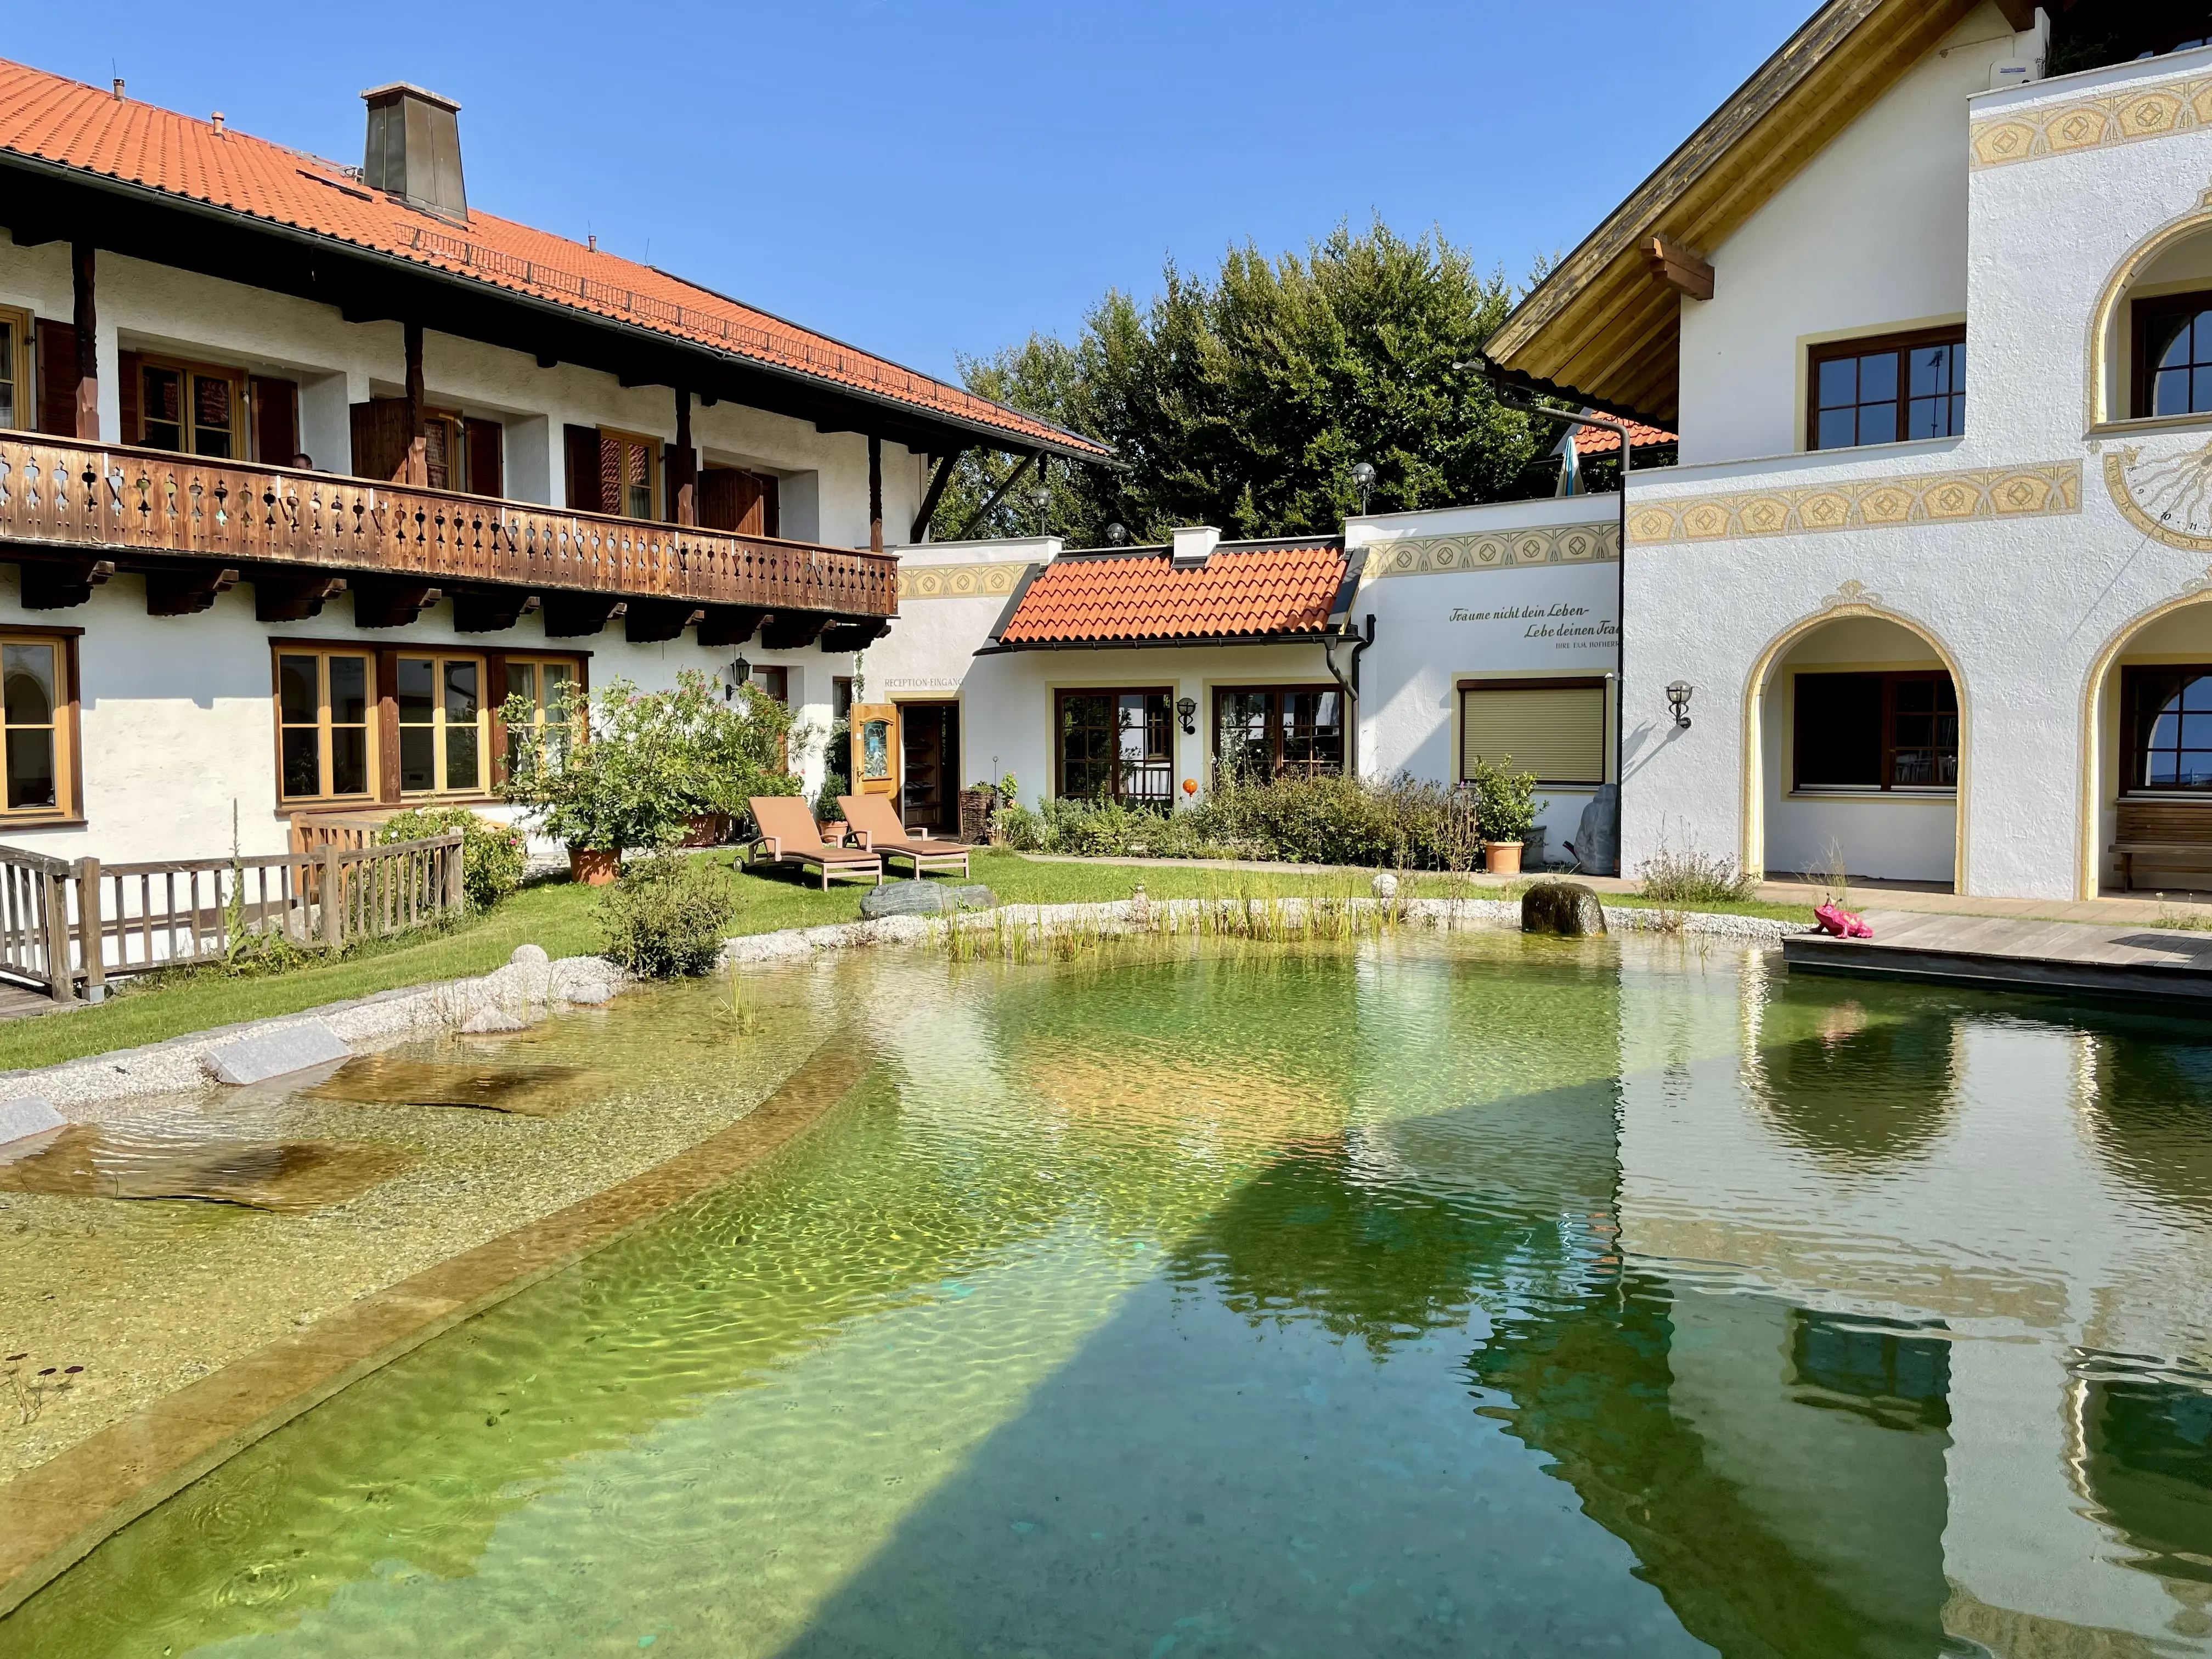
(1347, 679)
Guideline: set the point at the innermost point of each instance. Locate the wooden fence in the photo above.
(66, 925)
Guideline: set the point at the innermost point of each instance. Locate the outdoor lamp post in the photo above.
(1117, 535)
(1186, 712)
(1041, 498)
(1678, 697)
(1363, 480)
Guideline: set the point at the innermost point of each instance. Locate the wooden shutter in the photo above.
(380, 438)
(276, 413)
(730, 498)
(56, 379)
(1557, 731)
(486, 443)
(131, 396)
(771, 507)
(583, 445)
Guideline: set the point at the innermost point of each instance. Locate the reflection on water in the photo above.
(1475, 1296)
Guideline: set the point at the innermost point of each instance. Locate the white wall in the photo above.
(1869, 238)
(1490, 616)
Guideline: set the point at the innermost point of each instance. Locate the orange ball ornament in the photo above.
(1190, 785)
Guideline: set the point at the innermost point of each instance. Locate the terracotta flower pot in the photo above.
(706, 830)
(835, 831)
(1502, 858)
(593, 867)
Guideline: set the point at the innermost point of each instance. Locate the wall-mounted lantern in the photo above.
(1678, 698)
(739, 672)
(1187, 711)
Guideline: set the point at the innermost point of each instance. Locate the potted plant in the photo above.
(1506, 808)
(619, 768)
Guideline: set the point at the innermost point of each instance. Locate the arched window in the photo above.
(2174, 355)
(2169, 714)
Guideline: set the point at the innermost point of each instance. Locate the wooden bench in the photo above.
(2166, 832)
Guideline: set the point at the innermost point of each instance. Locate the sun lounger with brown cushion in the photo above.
(880, 831)
(788, 835)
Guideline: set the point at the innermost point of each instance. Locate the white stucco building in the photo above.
(305, 467)
(1940, 626)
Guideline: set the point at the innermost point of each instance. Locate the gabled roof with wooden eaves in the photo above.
(1606, 325)
(51, 121)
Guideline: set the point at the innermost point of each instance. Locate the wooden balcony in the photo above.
(195, 526)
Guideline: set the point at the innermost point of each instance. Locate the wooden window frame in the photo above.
(438, 657)
(384, 734)
(1872, 345)
(502, 673)
(322, 653)
(652, 515)
(1060, 696)
(242, 415)
(68, 810)
(2132, 780)
(1889, 678)
(20, 370)
(2143, 379)
(1277, 767)
(1597, 683)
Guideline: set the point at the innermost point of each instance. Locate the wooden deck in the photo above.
(2003, 953)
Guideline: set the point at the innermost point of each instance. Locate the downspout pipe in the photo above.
(1347, 680)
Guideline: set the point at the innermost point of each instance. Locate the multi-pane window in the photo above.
(1895, 731)
(189, 408)
(2174, 355)
(1116, 745)
(1266, 733)
(441, 726)
(1554, 728)
(14, 379)
(324, 702)
(2169, 714)
(1888, 391)
(548, 689)
(626, 469)
(35, 701)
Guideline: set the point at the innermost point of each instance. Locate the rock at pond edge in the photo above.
(263, 1055)
(922, 898)
(1565, 907)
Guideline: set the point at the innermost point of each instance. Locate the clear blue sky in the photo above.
(927, 179)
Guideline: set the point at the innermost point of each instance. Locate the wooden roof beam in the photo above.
(1680, 269)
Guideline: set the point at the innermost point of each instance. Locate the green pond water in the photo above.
(1438, 1296)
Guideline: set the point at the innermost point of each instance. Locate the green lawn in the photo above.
(559, 916)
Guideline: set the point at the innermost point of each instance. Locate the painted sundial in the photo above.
(2168, 496)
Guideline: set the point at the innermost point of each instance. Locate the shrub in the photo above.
(652, 762)
(491, 852)
(1506, 800)
(1689, 876)
(667, 915)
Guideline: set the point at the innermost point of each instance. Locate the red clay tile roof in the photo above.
(56, 119)
(1603, 440)
(1238, 590)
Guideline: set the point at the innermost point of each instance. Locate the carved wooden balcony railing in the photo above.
(110, 502)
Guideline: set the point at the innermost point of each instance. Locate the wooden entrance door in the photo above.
(930, 753)
(875, 749)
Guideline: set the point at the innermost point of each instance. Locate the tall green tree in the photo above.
(1244, 400)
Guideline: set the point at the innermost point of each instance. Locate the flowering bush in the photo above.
(621, 768)
(491, 852)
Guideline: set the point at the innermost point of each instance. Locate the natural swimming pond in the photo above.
(1463, 1295)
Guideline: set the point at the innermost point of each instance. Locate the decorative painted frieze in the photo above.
(2098, 121)
(2051, 487)
(1493, 549)
(957, 581)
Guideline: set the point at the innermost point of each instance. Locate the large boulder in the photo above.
(1597, 845)
(1565, 907)
(923, 898)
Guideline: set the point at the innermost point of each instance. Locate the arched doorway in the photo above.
(1856, 745)
(2146, 811)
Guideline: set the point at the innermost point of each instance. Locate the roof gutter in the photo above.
(1000, 437)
